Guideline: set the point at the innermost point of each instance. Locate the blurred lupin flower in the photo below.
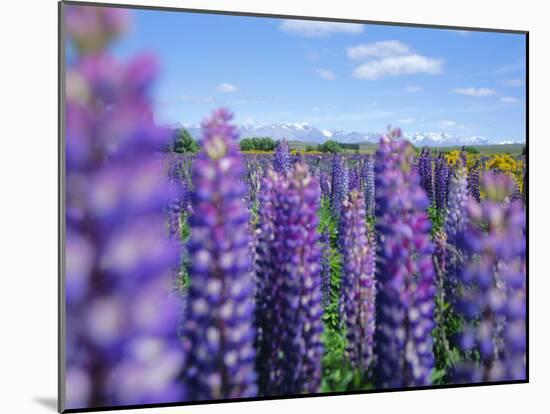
(122, 311)
(92, 28)
(497, 186)
(493, 305)
(516, 193)
(298, 157)
(218, 327)
(405, 275)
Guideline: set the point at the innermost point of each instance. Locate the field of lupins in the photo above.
(225, 275)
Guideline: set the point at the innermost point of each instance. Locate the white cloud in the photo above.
(447, 124)
(382, 49)
(400, 65)
(226, 88)
(309, 28)
(413, 88)
(316, 109)
(508, 99)
(515, 83)
(406, 121)
(326, 74)
(477, 92)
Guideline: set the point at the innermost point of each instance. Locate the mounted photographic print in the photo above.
(259, 206)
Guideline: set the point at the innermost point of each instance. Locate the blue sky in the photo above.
(334, 75)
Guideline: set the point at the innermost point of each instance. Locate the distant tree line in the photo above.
(330, 147)
(258, 144)
(470, 150)
(183, 142)
(350, 146)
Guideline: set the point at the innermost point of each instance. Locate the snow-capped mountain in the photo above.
(301, 131)
(511, 141)
(442, 139)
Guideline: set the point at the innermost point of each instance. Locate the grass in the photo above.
(370, 148)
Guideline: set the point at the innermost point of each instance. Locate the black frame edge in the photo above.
(288, 397)
(526, 191)
(287, 16)
(61, 209)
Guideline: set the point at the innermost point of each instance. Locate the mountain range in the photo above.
(307, 133)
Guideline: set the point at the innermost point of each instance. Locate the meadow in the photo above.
(488, 150)
(357, 265)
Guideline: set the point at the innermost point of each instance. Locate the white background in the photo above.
(28, 188)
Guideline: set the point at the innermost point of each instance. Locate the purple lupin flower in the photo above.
(456, 219)
(368, 176)
(324, 182)
(464, 157)
(358, 284)
(180, 204)
(254, 174)
(354, 182)
(405, 275)
(296, 244)
(293, 282)
(298, 157)
(473, 182)
(441, 181)
(425, 171)
(340, 184)
(493, 305)
(282, 157)
(269, 302)
(218, 328)
(122, 346)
